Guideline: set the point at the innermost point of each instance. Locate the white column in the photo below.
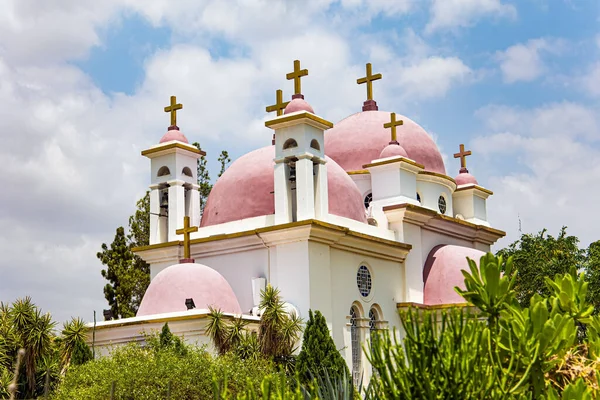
(305, 189)
(321, 191)
(194, 205)
(176, 207)
(283, 206)
(154, 214)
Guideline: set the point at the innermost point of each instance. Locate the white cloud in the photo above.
(590, 81)
(524, 62)
(541, 163)
(450, 14)
(432, 77)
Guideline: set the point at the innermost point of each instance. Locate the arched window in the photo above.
(187, 171)
(373, 318)
(315, 144)
(289, 144)
(355, 342)
(163, 171)
(368, 200)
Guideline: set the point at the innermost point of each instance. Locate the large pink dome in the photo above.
(246, 188)
(169, 289)
(360, 138)
(442, 273)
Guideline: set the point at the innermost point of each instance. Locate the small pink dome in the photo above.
(442, 272)
(174, 134)
(360, 138)
(246, 189)
(393, 150)
(169, 289)
(298, 105)
(465, 178)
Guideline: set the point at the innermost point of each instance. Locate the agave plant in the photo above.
(217, 330)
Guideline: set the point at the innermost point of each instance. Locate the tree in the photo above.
(73, 347)
(592, 274)
(128, 275)
(319, 355)
(224, 160)
(203, 178)
(539, 256)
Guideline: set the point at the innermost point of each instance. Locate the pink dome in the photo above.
(174, 134)
(298, 104)
(169, 289)
(465, 178)
(393, 150)
(442, 272)
(246, 188)
(360, 138)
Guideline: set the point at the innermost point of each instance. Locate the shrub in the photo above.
(149, 372)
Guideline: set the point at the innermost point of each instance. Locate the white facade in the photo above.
(317, 260)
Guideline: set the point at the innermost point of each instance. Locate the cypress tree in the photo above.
(319, 353)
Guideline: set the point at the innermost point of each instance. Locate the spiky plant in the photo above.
(217, 330)
(73, 334)
(278, 332)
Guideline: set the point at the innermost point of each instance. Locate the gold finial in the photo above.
(463, 157)
(185, 231)
(393, 124)
(369, 81)
(296, 75)
(279, 105)
(172, 108)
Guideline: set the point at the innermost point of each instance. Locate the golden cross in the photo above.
(393, 124)
(463, 156)
(187, 229)
(369, 81)
(296, 75)
(172, 108)
(279, 105)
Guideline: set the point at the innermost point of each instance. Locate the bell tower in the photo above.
(174, 185)
(300, 166)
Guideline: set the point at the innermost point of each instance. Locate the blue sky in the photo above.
(517, 81)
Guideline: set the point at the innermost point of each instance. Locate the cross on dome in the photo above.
(172, 108)
(462, 154)
(370, 104)
(185, 231)
(296, 75)
(393, 124)
(279, 105)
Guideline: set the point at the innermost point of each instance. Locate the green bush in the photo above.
(147, 372)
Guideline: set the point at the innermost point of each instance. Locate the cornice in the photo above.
(463, 188)
(154, 151)
(358, 172)
(293, 119)
(394, 160)
(450, 226)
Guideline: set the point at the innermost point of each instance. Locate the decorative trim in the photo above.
(174, 145)
(157, 246)
(438, 175)
(473, 186)
(394, 160)
(359, 172)
(432, 306)
(305, 115)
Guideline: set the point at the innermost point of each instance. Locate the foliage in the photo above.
(538, 256)
(128, 275)
(502, 351)
(25, 329)
(203, 178)
(148, 372)
(592, 274)
(224, 160)
(278, 332)
(319, 354)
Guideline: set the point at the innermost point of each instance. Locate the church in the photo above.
(357, 219)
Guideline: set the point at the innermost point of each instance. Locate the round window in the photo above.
(363, 281)
(442, 204)
(368, 199)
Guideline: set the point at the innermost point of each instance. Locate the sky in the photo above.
(83, 84)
